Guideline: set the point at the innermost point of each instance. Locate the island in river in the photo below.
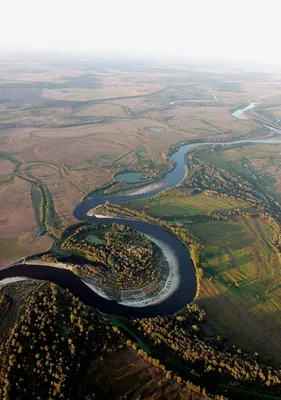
(124, 265)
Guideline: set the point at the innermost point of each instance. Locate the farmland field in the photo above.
(241, 273)
(241, 287)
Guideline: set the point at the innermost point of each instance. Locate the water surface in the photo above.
(186, 289)
(240, 112)
(132, 177)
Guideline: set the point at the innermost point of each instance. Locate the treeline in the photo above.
(53, 345)
(124, 186)
(5, 301)
(49, 257)
(52, 218)
(202, 177)
(209, 360)
(173, 376)
(50, 346)
(276, 229)
(128, 260)
(48, 220)
(219, 183)
(176, 228)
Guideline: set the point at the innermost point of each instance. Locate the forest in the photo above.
(55, 339)
(50, 343)
(124, 259)
(209, 360)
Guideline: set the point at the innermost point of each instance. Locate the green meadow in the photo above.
(182, 205)
(241, 285)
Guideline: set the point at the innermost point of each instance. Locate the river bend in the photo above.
(182, 293)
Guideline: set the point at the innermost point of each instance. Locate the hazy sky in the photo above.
(220, 29)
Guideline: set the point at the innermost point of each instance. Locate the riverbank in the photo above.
(57, 264)
(240, 112)
(188, 279)
(12, 280)
(171, 283)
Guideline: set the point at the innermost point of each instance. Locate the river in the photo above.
(180, 294)
(240, 112)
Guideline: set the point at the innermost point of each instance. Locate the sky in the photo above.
(244, 30)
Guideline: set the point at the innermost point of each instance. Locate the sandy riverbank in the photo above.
(49, 264)
(172, 281)
(95, 289)
(170, 286)
(12, 280)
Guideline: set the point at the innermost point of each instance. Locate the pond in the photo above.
(156, 130)
(132, 177)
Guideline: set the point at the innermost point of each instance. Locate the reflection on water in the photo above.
(157, 130)
(132, 177)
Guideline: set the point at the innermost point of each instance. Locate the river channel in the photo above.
(182, 287)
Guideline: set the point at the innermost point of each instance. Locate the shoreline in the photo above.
(146, 189)
(172, 281)
(239, 113)
(12, 280)
(95, 289)
(36, 262)
(170, 286)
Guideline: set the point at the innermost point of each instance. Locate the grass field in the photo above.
(57, 189)
(113, 86)
(95, 239)
(95, 236)
(258, 163)
(185, 205)
(102, 110)
(241, 285)
(38, 205)
(18, 223)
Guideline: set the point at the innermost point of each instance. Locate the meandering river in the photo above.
(181, 288)
(240, 113)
